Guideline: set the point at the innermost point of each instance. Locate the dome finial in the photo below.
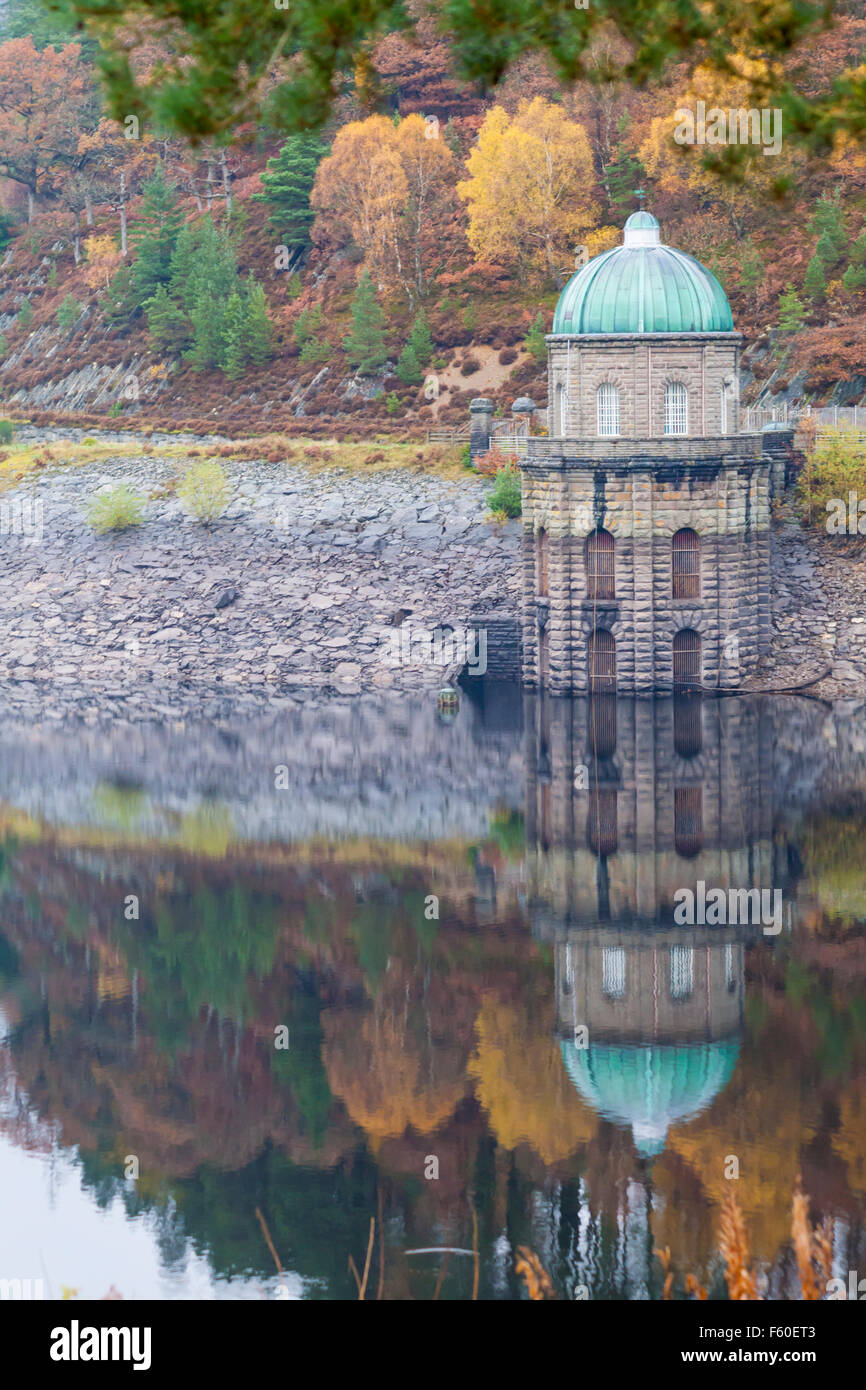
(640, 195)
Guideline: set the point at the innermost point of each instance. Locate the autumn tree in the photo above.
(45, 99)
(389, 188)
(733, 177)
(103, 259)
(530, 189)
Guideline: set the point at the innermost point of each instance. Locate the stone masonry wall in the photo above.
(641, 368)
(642, 503)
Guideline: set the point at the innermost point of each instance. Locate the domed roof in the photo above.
(650, 1087)
(643, 286)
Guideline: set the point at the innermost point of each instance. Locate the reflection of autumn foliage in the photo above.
(523, 1085)
(390, 1075)
(762, 1118)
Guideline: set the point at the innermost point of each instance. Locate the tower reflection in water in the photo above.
(628, 804)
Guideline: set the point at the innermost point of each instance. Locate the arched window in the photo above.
(688, 664)
(601, 655)
(600, 565)
(541, 563)
(688, 821)
(608, 408)
(676, 408)
(686, 563)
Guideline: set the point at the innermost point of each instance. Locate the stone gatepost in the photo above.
(523, 410)
(480, 425)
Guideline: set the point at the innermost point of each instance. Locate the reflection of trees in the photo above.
(390, 1071)
(523, 1085)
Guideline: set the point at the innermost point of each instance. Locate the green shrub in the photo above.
(115, 410)
(115, 510)
(504, 497)
(835, 467)
(68, 312)
(392, 403)
(25, 313)
(466, 455)
(7, 431)
(204, 490)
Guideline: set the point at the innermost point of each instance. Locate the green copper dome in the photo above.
(643, 287)
(650, 1087)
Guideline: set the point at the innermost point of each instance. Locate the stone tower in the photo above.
(646, 512)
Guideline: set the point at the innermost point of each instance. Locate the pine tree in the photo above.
(154, 236)
(420, 340)
(208, 331)
(167, 323)
(815, 282)
(257, 324)
(828, 220)
(365, 345)
(534, 340)
(791, 311)
(828, 251)
(25, 313)
(408, 369)
(855, 276)
(624, 173)
(205, 261)
(288, 181)
(234, 355)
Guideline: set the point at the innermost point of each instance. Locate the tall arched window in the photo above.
(608, 408)
(676, 408)
(686, 563)
(600, 565)
(688, 663)
(601, 654)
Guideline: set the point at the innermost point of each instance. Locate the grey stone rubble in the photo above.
(300, 588)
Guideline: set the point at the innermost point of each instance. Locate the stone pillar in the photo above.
(480, 418)
(778, 446)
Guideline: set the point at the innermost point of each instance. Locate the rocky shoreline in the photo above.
(312, 585)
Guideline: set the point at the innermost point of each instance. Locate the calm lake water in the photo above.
(469, 932)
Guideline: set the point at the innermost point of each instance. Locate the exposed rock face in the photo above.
(294, 590)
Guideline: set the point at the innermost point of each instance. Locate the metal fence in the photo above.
(852, 417)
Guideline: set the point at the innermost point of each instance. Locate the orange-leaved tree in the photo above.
(390, 189)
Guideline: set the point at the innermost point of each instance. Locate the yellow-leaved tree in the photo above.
(727, 170)
(530, 189)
